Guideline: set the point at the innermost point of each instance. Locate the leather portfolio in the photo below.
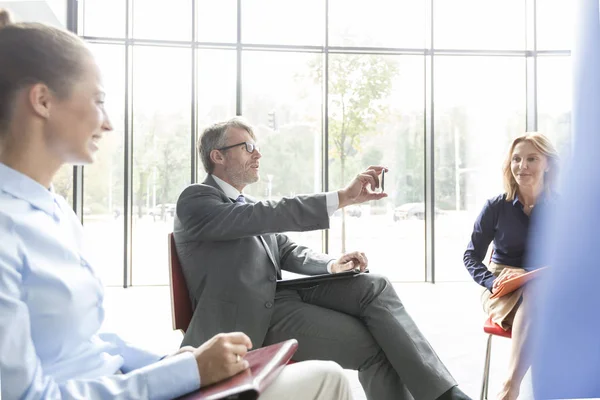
(265, 364)
(316, 279)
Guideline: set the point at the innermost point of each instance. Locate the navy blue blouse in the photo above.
(506, 224)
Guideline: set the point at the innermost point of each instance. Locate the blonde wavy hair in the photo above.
(546, 148)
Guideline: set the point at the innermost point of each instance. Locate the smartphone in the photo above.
(382, 181)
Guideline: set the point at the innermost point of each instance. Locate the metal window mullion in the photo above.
(238, 70)
(128, 152)
(429, 154)
(194, 91)
(78, 191)
(72, 16)
(325, 124)
(77, 169)
(531, 66)
(319, 49)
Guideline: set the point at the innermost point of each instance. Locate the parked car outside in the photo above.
(412, 211)
(351, 211)
(157, 211)
(354, 211)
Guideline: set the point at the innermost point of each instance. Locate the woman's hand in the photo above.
(503, 277)
(222, 356)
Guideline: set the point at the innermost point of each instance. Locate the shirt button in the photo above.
(268, 304)
(273, 278)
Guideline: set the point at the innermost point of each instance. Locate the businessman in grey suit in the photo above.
(232, 250)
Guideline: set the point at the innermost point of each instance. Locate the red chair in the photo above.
(181, 305)
(491, 329)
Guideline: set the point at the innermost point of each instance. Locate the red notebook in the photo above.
(265, 364)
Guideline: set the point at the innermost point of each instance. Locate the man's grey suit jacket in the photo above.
(232, 255)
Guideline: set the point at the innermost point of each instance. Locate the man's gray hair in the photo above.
(215, 137)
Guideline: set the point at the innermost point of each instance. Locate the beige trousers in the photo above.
(502, 309)
(310, 380)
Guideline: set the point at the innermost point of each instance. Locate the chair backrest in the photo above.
(181, 305)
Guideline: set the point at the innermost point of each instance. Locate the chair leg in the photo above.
(486, 369)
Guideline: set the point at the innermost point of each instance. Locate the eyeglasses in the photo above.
(250, 147)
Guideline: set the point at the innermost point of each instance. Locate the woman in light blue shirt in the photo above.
(52, 113)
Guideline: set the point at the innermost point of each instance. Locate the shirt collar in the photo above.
(544, 196)
(542, 199)
(23, 187)
(229, 190)
(515, 200)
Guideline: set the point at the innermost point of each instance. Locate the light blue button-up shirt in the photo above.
(51, 311)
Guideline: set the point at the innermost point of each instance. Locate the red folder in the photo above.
(265, 364)
(513, 284)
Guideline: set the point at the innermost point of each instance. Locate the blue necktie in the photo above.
(241, 199)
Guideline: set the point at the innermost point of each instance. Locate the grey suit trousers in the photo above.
(361, 324)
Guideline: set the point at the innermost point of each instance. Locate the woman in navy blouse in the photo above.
(530, 177)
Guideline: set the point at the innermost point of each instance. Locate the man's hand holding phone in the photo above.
(363, 188)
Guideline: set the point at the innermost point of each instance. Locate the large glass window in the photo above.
(376, 117)
(63, 183)
(167, 21)
(283, 22)
(554, 101)
(161, 153)
(216, 21)
(282, 99)
(377, 23)
(377, 95)
(216, 87)
(216, 90)
(103, 18)
(103, 195)
(554, 24)
(480, 108)
(479, 24)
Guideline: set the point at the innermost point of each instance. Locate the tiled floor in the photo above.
(448, 313)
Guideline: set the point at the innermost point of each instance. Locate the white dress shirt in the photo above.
(331, 198)
(51, 311)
